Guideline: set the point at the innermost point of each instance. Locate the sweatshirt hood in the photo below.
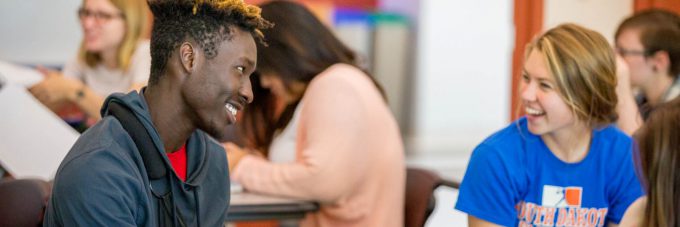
(196, 143)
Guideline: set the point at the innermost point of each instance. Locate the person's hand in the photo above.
(55, 88)
(236, 153)
(623, 85)
(629, 114)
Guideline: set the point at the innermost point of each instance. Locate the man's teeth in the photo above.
(231, 109)
(533, 111)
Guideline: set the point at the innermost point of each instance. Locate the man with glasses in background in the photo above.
(649, 49)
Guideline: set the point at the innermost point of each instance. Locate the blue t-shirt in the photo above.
(513, 179)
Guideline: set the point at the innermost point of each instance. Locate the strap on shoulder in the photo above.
(153, 162)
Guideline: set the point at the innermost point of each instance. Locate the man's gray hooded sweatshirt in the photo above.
(103, 182)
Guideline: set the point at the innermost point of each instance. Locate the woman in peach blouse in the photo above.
(324, 123)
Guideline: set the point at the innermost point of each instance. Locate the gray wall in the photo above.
(39, 32)
(463, 62)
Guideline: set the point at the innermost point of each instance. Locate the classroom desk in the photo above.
(246, 206)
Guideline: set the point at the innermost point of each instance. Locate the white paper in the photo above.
(33, 140)
(16, 74)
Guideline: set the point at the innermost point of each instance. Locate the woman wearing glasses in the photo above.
(113, 57)
(648, 44)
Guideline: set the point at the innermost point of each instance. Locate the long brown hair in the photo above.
(659, 147)
(300, 47)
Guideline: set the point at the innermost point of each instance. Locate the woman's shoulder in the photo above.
(515, 133)
(612, 135)
(510, 142)
(342, 68)
(612, 144)
(340, 78)
(339, 73)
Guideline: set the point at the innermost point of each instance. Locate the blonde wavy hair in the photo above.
(582, 63)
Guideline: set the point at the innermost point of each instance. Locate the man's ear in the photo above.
(661, 61)
(187, 56)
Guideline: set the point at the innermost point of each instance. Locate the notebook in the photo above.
(33, 140)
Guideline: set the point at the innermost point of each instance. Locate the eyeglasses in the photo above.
(626, 52)
(99, 17)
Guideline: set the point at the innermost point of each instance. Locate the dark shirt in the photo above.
(103, 182)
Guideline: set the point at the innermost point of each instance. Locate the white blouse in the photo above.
(105, 81)
(282, 149)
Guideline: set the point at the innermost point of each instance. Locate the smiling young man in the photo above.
(203, 53)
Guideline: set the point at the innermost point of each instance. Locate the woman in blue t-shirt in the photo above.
(562, 164)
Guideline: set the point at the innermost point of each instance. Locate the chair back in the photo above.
(23, 202)
(420, 201)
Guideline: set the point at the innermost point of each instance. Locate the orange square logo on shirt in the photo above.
(555, 196)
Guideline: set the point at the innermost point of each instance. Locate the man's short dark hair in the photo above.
(207, 22)
(659, 30)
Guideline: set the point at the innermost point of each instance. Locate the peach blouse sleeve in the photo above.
(328, 162)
